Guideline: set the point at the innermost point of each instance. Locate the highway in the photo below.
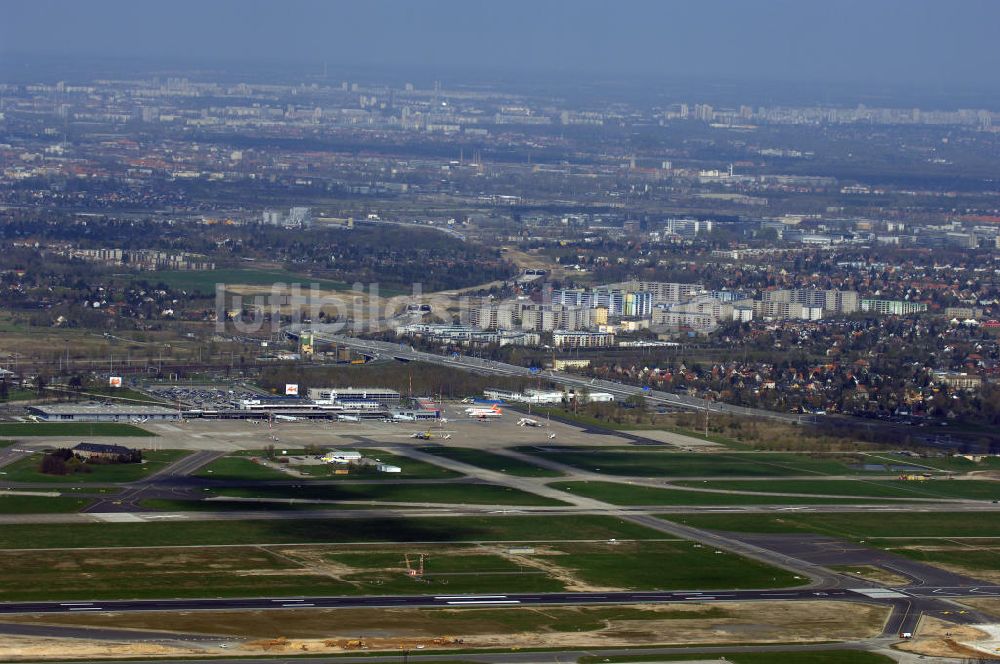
(489, 367)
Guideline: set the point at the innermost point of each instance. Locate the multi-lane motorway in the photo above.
(489, 367)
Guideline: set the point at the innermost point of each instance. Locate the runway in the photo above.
(907, 603)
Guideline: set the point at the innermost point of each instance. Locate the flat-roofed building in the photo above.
(96, 412)
(577, 339)
(389, 398)
(893, 307)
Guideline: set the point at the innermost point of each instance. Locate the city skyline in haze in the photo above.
(921, 44)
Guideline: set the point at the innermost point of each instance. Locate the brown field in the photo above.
(330, 630)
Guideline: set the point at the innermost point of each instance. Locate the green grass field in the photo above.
(255, 571)
(853, 526)
(41, 504)
(239, 468)
(70, 429)
(669, 565)
(960, 553)
(26, 469)
(624, 494)
(204, 281)
(646, 463)
(940, 488)
(20, 394)
(429, 529)
(953, 464)
(479, 494)
(490, 461)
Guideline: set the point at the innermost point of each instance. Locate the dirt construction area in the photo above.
(334, 631)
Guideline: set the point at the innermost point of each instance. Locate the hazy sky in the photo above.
(914, 42)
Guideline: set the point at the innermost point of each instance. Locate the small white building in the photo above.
(388, 468)
(341, 456)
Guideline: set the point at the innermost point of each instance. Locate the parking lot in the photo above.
(208, 397)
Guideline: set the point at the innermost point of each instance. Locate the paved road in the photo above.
(492, 600)
(489, 367)
(154, 486)
(256, 510)
(620, 390)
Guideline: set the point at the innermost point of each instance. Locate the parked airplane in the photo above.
(402, 417)
(528, 422)
(348, 418)
(287, 418)
(481, 413)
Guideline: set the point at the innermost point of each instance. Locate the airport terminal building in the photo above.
(97, 412)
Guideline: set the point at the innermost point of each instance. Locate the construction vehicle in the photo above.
(429, 435)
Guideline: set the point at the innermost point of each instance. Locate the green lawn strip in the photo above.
(412, 469)
(430, 529)
(26, 469)
(953, 464)
(777, 657)
(41, 504)
(19, 394)
(641, 462)
(204, 281)
(490, 461)
(448, 572)
(585, 420)
(630, 494)
(969, 557)
(480, 494)
(126, 573)
(626, 565)
(852, 526)
(669, 565)
(940, 488)
(240, 468)
(70, 429)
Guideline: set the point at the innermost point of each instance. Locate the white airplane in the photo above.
(348, 418)
(528, 422)
(551, 436)
(482, 413)
(400, 417)
(287, 418)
